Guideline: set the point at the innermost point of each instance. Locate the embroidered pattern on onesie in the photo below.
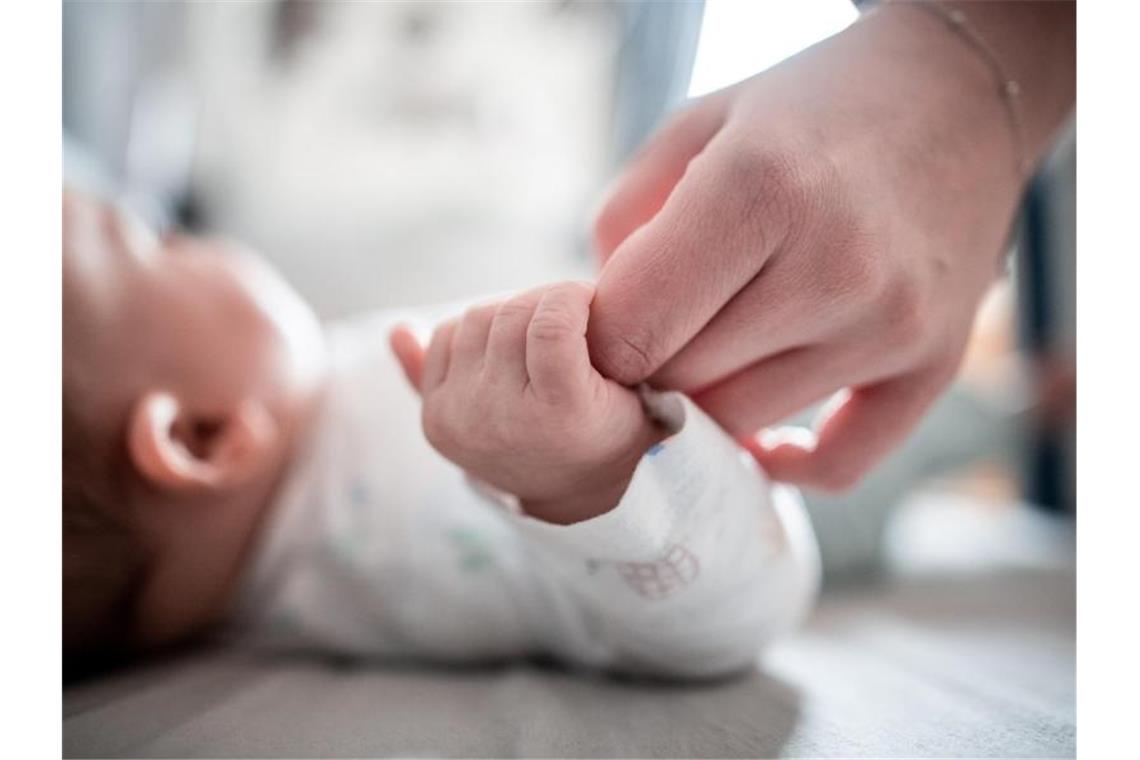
(472, 549)
(664, 577)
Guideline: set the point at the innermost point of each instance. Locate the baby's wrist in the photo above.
(600, 489)
(577, 507)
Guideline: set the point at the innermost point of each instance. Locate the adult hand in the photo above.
(829, 226)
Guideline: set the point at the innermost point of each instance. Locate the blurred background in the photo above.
(403, 153)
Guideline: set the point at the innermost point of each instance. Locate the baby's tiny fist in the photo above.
(510, 396)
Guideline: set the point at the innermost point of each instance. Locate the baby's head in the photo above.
(189, 370)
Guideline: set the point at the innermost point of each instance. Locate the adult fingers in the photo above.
(556, 358)
(857, 433)
(788, 304)
(641, 190)
(506, 344)
(409, 353)
(666, 281)
(771, 390)
(438, 357)
(470, 341)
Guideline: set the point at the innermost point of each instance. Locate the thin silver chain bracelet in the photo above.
(1008, 88)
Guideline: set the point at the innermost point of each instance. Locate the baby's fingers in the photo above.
(557, 360)
(409, 353)
(438, 357)
(469, 345)
(506, 345)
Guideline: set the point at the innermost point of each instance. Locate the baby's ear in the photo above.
(177, 449)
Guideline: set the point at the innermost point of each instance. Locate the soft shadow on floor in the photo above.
(225, 703)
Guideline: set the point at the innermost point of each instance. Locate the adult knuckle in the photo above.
(788, 197)
(780, 184)
(759, 165)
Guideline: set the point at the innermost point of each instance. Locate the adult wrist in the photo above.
(1028, 48)
(940, 128)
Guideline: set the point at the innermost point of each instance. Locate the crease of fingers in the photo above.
(506, 343)
(469, 342)
(437, 359)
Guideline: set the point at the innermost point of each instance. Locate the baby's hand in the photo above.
(510, 396)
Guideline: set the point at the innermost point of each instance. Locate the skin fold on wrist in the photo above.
(600, 489)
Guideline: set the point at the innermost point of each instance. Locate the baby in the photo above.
(228, 462)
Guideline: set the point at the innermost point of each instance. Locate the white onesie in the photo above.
(380, 547)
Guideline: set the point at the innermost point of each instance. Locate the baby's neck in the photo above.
(258, 502)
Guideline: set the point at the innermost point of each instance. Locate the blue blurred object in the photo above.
(655, 62)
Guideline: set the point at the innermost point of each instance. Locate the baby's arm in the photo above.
(666, 556)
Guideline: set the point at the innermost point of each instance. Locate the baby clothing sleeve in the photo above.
(701, 562)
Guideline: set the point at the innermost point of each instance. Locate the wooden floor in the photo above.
(966, 663)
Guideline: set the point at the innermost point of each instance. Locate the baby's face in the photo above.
(206, 320)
